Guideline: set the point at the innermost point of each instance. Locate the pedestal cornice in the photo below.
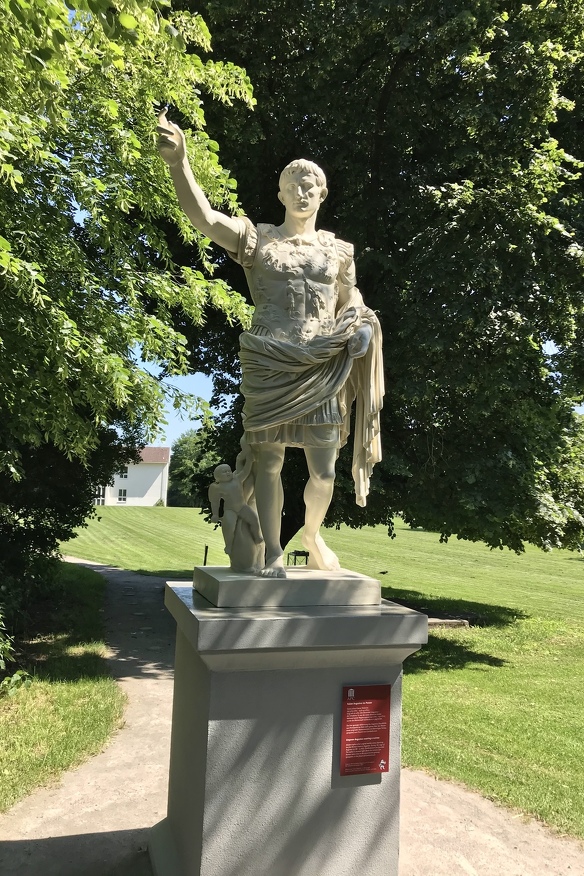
(279, 637)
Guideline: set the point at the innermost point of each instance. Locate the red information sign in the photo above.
(365, 729)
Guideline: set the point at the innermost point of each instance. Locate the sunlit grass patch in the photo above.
(509, 724)
(73, 705)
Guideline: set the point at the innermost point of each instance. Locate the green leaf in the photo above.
(127, 21)
(59, 39)
(46, 53)
(37, 58)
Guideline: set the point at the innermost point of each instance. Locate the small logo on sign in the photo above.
(382, 764)
(351, 693)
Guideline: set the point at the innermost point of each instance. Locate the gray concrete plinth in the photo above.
(255, 787)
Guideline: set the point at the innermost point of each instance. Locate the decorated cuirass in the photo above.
(294, 281)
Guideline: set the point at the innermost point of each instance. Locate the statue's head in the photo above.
(304, 166)
(303, 182)
(223, 473)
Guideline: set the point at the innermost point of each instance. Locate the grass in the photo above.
(165, 541)
(498, 706)
(500, 709)
(73, 705)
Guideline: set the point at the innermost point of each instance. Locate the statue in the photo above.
(239, 523)
(312, 349)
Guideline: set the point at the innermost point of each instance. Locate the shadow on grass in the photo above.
(169, 574)
(59, 665)
(64, 635)
(478, 614)
(445, 653)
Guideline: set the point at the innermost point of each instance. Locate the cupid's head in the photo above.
(223, 473)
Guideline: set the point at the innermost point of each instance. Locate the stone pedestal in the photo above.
(225, 588)
(255, 787)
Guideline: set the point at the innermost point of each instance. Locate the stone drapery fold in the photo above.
(284, 382)
(366, 387)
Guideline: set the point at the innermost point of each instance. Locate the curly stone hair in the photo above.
(305, 166)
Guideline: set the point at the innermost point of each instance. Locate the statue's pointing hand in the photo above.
(171, 141)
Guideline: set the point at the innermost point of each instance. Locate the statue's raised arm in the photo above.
(220, 228)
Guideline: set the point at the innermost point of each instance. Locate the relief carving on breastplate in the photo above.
(275, 259)
(317, 259)
(318, 308)
(295, 290)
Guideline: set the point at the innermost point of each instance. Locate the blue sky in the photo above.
(197, 384)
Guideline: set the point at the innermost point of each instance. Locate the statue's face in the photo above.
(223, 474)
(300, 193)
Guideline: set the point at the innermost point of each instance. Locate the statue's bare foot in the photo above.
(274, 567)
(319, 555)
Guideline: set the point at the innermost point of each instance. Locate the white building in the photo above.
(143, 484)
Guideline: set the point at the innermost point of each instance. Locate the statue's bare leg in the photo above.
(269, 496)
(228, 522)
(317, 497)
(251, 518)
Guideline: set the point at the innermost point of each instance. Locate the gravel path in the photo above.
(95, 821)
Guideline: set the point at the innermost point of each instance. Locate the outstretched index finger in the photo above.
(165, 126)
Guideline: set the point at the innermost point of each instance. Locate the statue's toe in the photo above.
(274, 567)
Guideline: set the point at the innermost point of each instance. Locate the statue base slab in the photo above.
(225, 588)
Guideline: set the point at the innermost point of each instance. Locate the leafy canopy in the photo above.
(191, 468)
(87, 278)
(451, 135)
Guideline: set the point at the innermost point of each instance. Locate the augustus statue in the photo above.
(312, 349)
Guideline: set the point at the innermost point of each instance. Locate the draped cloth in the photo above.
(284, 382)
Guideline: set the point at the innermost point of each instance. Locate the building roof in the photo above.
(155, 454)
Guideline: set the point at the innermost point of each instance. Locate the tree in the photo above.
(87, 275)
(52, 497)
(191, 468)
(447, 133)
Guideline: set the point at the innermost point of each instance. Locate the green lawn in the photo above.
(498, 706)
(73, 704)
(166, 541)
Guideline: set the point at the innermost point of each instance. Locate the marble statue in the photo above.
(312, 350)
(239, 522)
